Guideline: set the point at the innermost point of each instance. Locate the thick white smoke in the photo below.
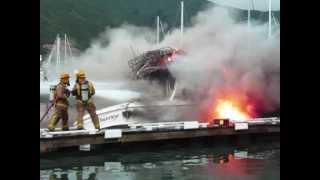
(108, 56)
(212, 43)
(224, 54)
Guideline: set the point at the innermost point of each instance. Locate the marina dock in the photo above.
(152, 132)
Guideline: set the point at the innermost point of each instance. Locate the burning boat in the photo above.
(125, 114)
(152, 66)
(224, 103)
(149, 66)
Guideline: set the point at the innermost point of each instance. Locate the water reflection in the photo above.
(77, 173)
(180, 163)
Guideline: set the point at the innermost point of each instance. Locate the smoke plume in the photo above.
(221, 55)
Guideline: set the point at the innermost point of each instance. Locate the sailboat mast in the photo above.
(158, 30)
(249, 15)
(269, 32)
(181, 20)
(58, 49)
(65, 47)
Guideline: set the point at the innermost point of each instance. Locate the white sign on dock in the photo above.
(112, 133)
(241, 126)
(191, 125)
(148, 128)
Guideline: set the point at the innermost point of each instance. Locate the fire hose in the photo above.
(47, 111)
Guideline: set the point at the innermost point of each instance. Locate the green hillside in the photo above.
(83, 20)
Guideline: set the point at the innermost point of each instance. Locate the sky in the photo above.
(260, 5)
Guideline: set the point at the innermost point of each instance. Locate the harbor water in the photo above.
(169, 161)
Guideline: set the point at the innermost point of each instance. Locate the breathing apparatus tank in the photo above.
(52, 92)
(84, 88)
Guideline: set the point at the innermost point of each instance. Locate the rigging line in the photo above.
(70, 50)
(177, 14)
(162, 30)
(275, 20)
(252, 2)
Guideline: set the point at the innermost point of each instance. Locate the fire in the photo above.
(233, 106)
(230, 99)
(226, 108)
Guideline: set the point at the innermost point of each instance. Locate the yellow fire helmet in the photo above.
(76, 72)
(80, 73)
(64, 75)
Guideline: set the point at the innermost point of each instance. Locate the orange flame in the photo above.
(229, 105)
(232, 110)
(229, 100)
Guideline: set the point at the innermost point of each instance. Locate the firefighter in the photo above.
(61, 103)
(83, 91)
